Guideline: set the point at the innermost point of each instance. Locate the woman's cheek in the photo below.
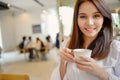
(99, 22)
(80, 23)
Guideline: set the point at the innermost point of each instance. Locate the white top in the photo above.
(49, 45)
(111, 64)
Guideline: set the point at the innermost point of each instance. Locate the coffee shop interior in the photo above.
(38, 19)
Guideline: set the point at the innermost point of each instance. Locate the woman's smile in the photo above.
(90, 29)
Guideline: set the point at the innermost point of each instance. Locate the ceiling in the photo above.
(30, 5)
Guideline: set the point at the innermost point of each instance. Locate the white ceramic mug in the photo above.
(84, 52)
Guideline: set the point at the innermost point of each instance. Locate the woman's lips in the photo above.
(90, 30)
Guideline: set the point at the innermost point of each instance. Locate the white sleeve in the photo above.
(116, 72)
(56, 74)
(116, 69)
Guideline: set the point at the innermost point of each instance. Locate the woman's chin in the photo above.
(91, 35)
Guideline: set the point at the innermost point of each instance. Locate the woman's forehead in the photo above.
(87, 7)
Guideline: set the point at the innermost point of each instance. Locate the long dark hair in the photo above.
(101, 45)
(42, 44)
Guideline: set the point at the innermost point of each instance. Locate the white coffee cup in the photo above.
(84, 52)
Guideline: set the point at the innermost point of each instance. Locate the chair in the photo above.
(14, 77)
(24, 51)
(43, 52)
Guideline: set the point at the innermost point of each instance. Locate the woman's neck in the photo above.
(88, 41)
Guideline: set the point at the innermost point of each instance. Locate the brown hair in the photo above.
(101, 45)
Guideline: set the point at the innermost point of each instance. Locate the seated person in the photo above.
(39, 47)
(30, 48)
(49, 44)
(22, 45)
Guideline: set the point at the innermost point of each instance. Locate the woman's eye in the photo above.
(82, 16)
(96, 16)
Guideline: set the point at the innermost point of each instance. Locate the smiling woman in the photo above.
(92, 29)
(90, 20)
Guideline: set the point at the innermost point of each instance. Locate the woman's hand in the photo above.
(89, 65)
(66, 54)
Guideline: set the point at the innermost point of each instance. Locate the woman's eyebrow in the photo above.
(82, 13)
(96, 12)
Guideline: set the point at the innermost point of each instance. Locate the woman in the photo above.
(38, 47)
(92, 29)
(49, 44)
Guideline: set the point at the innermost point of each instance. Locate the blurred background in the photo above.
(38, 18)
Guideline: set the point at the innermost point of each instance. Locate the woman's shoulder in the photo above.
(115, 49)
(115, 45)
(114, 53)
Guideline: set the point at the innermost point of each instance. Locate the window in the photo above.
(36, 28)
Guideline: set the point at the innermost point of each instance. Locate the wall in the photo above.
(0, 36)
(24, 22)
(7, 30)
(15, 25)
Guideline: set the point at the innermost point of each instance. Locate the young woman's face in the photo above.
(90, 20)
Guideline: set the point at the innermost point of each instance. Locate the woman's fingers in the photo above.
(84, 62)
(84, 58)
(84, 67)
(66, 54)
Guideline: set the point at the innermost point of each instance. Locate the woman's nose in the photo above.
(90, 21)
